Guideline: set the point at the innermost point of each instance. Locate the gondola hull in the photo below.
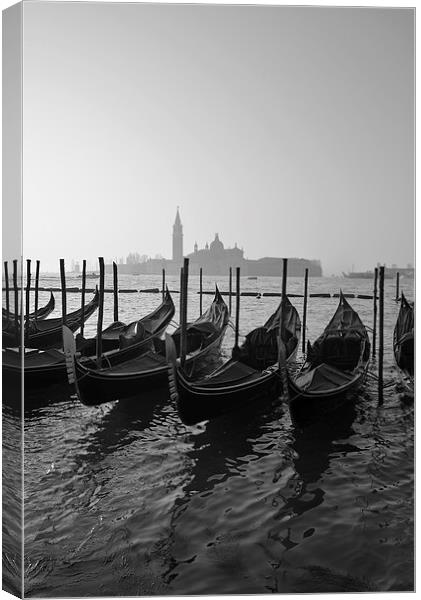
(308, 408)
(197, 404)
(95, 387)
(48, 333)
(44, 367)
(39, 370)
(136, 371)
(239, 381)
(336, 367)
(403, 346)
(40, 314)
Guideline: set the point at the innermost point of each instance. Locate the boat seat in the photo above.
(147, 361)
(323, 378)
(232, 372)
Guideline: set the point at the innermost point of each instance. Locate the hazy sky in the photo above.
(288, 130)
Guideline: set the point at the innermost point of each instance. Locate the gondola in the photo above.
(40, 314)
(42, 367)
(251, 374)
(119, 336)
(403, 343)
(335, 367)
(134, 371)
(48, 333)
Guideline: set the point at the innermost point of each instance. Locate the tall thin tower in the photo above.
(177, 239)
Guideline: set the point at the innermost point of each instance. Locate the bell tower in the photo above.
(177, 239)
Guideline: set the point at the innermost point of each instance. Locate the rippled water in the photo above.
(124, 499)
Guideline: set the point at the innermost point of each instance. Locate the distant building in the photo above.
(177, 239)
(215, 259)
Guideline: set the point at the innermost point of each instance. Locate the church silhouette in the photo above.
(215, 259)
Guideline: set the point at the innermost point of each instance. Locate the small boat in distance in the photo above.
(252, 277)
(336, 365)
(366, 275)
(90, 276)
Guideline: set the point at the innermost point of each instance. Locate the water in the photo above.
(126, 500)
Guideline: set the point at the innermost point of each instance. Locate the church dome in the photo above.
(217, 246)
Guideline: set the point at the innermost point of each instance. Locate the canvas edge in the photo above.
(12, 248)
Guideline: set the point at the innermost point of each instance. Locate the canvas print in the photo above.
(208, 299)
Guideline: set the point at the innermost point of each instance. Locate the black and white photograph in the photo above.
(208, 299)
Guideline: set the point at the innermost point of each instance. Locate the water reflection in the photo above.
(313, 447)
(12, 492)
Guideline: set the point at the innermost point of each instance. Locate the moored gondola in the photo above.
(335, 367)
(42, 367)
(403, 344)
(251, 374)
(39, 315)
(120, 335)
(47, 333)
(134, 371)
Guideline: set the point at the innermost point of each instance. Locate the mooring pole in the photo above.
(305, 310)
(284, 277)
(163, 284)
(82, 326)
(376, 276)
(63, 292)
(28, 290)
(181, 296)
(200, 291)
(237, 307)
(115, 290)
(36, 288)
(397, 286)
(183, 338)
(230, 292)
(100, 310)
(381, 332)
(6, 281)
(281, 345)
(17, 311)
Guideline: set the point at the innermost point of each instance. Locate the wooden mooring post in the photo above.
(27, 296)
(397, 287)
(63, 292)
(381, 333)
(200, 291)
(184, 300)
(376, 276)
(305, 311)
(163, 284)
(237, 307)
(115, 291)
(82, 326)
(100, 310)
(181, 294)
(6, 281)
(230, 292)
(284, 276)
(281, 345)
(36, 288)
(17, 311)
